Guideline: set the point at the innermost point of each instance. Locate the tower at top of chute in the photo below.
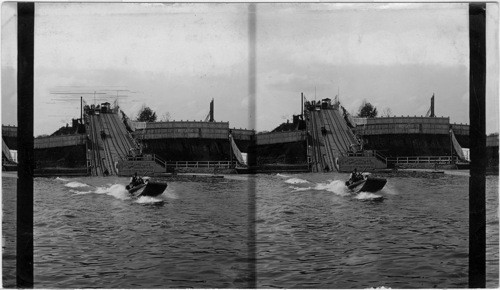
(430, 112)
(210, 116)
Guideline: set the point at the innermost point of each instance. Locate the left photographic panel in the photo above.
(9, 142)
(141, 118)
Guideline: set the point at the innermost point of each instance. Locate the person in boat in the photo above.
(135, 180)
(355, 176)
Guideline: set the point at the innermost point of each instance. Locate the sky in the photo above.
(176, 57)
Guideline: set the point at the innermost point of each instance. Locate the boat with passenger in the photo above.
(359, 182)
(144, 186)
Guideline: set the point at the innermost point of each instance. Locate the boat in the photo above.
(147, 188)
(367, 184)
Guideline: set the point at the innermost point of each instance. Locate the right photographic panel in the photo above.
(363, 148)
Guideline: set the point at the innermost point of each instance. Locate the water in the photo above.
(311, 233)
(89, 233)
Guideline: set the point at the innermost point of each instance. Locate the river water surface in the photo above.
(89, 233)
(310, 233)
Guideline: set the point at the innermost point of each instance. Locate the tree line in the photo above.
(146, 114)
(366, 110)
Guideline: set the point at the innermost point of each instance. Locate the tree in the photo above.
(387, 112)
(146, 115)
(165, 117)
(367, 110)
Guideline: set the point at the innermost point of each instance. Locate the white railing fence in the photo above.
(201, 164)
(423, 159)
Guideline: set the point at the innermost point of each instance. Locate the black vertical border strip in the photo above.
(252, 197)
(25, 59)
(477, 139)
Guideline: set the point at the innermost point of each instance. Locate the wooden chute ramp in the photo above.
(110, 142)
(329, 137)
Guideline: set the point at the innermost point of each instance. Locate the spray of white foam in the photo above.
(296, 189)
(75, 184)
(80, 192)
(337, 186)
(283, 175)
(148, 200)
(296, 181)
(367, 196)
(170, 193)
(388, 189)
(62, 179)
(101, 190)
(116, 190)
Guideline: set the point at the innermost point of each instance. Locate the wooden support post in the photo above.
(477, 137)
(25, 141)
(302, 105)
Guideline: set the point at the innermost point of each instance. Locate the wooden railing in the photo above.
(160, 161)
(380, 156)
(407, 159)
(423, 159)
(368, 153)
(147, 157)
(201, 164)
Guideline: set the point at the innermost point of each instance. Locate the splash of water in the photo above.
(75, 184)
(283, 175)
(80, 192)
(337, 186)
(296, 189)
(170, 193)
(296, 181)
(367, 196)
(148, 200)
(62, 179)
(116, 190)
(388, 189)
(101, 190)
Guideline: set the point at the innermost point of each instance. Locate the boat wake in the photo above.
(296, 181)
(388, 189)
(296, 189)
(76, 184)
(77, 192)
(149, 200)
(368, 196)
(116, 190)
(336, 186)
(170, 193)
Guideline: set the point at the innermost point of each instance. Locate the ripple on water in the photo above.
(416, 238)
(318, 236)
(89, 233)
